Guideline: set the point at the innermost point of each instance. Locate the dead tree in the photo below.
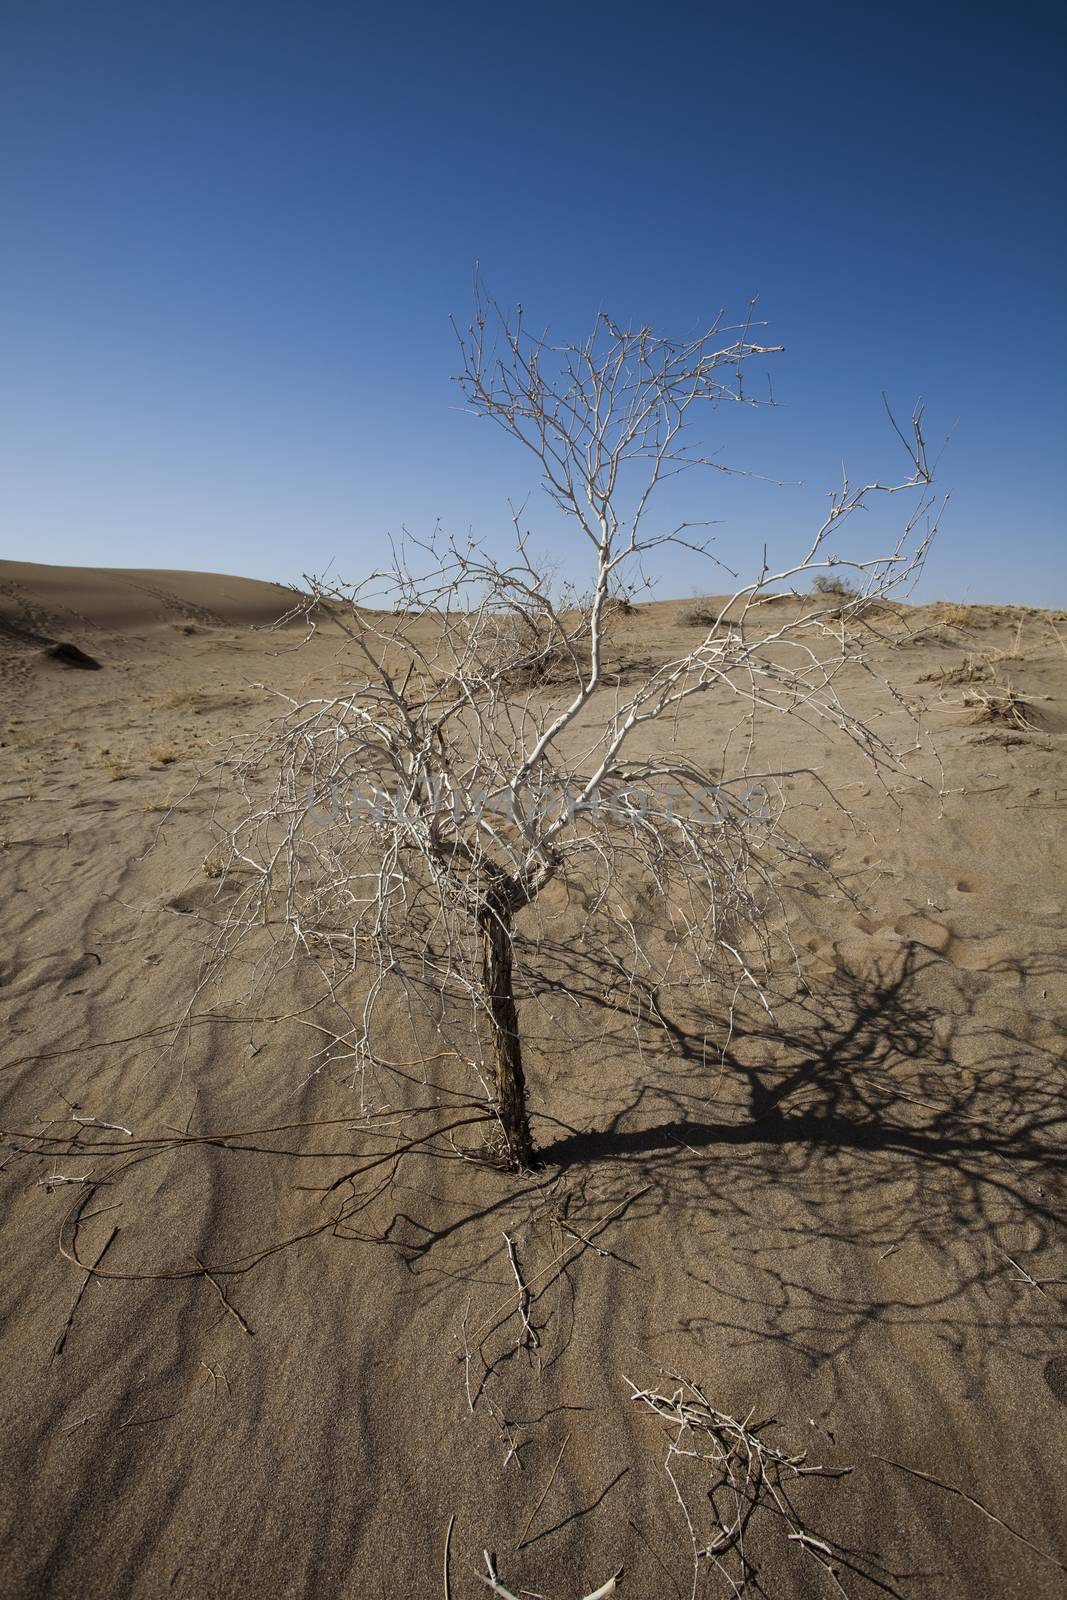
(487, 748)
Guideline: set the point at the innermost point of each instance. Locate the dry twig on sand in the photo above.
(491, 1579)
(1034, 1283)
(528, 1336)
(509, 1307)
(746, 1471)
(217, 1286)
(951, 1488)
(544, 1493)
(57, 1348)
(448, 1557)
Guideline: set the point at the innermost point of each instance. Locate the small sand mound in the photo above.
(71, 656)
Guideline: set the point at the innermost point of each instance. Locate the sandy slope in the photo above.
(90, 599)
(820, 1232)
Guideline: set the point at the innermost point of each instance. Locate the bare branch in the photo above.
(403, 829)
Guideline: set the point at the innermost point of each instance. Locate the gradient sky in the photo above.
(233, 235)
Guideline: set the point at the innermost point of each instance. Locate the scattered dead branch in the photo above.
(1001, 705)
(544, 1494)
(448, 1557)
(55, 1179)
(57, 1348)
(1040, 1284)
(746, 1472)
(217, 1286)
(492, 1581)
(528, 1336)
(98, 1122)
(509, 1307)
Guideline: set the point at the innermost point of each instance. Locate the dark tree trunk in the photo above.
(495, 921)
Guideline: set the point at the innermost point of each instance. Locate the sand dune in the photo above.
(34, 595)
(850, 1220)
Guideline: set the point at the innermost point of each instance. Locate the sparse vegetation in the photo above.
(215, 863)
(702, 614)
(951, 616)
(183, 699)
(972, 669)
(834, 586)
(112, 765)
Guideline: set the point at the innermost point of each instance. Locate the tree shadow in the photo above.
(865, 1119)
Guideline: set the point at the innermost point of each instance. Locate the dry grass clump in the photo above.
(215, 863)
(1001, 705)
(112, 765)
(951, 616)
(164, 754)
(972, 669)
(1011, 717)
(187, 700)
(1016, 652)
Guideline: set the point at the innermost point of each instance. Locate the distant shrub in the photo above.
(829, 583)
(952, 616)
(706, 613)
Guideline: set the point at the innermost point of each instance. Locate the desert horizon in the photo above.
(65, 582)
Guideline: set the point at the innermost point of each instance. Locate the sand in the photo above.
(853, 1227)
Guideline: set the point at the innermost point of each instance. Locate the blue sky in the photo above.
(233, 235)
